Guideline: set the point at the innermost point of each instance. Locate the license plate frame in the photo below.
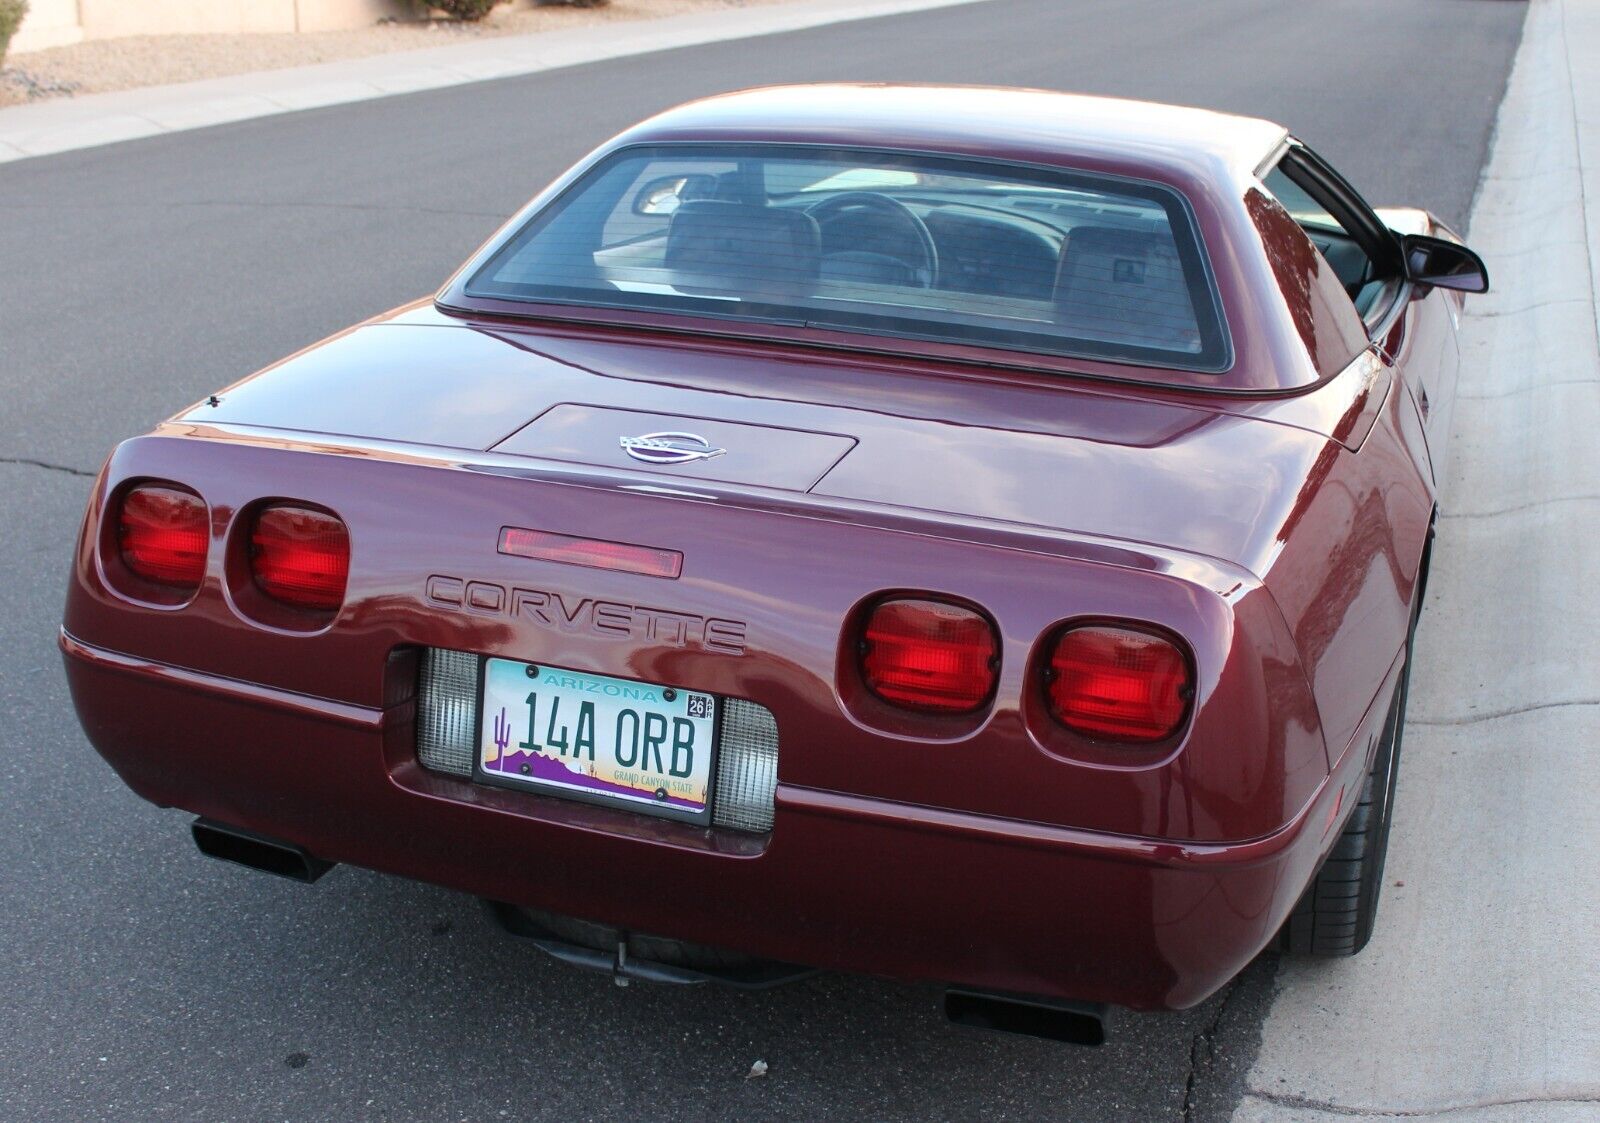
(573, 790)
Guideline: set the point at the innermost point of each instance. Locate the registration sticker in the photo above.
(595, 738)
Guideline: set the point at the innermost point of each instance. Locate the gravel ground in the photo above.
(153, 60)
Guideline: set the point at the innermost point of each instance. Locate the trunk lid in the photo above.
(1023, 449)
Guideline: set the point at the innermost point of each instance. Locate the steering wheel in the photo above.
(921, 273)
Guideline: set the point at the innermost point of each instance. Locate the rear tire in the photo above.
(1335, 916)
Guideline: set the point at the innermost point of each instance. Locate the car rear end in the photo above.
(1014, 760)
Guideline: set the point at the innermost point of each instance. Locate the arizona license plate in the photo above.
(594, 738)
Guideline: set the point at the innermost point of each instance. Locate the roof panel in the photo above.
(978, 120)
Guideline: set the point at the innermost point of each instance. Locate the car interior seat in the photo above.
(722, 245)
(1125, 286)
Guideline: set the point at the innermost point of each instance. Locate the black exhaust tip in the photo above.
(234, 844)
(1072, 1023)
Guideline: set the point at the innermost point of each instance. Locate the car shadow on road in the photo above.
(412, 995)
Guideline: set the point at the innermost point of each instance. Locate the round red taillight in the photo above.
(300, 556)
(162, 532)
(1118, 684)
(927, 655)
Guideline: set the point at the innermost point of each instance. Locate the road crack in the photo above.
(1203, 1051)
(1305, 1103)
(1520, 507)
(1493, 314)
(1525, 389)
(46, 465)
(1473, 719)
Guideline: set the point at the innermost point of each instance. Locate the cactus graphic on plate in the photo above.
(502, 735)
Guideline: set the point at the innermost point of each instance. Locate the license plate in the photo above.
(603, 740)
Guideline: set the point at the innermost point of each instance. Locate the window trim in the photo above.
(1216, 358)
(1317, 178)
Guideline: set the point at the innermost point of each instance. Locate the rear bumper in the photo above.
(843, 882)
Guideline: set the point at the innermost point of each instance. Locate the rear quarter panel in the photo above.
(1345, 571)
(1345, 561)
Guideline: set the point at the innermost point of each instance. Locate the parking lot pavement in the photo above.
(142, 982)
(1479, 997)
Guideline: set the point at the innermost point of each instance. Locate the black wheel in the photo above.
(1334, 917)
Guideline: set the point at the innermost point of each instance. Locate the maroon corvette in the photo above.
(961, 535)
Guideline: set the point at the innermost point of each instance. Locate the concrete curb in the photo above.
(63, 125)
(1479, 997)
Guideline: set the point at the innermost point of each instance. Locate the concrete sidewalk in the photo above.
(1479, 997)
(68, 123)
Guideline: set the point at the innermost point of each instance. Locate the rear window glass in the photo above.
(892, 244)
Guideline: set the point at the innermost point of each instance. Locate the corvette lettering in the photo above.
(572, 615)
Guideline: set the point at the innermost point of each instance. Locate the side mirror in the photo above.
(1443, 264)
(663, 196)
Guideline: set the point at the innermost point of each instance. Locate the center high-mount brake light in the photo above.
(930, 656)
(593, 552)
(300, 556)
(162, 533)
(1118, 684)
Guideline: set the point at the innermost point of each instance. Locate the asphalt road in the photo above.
(141, 981)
